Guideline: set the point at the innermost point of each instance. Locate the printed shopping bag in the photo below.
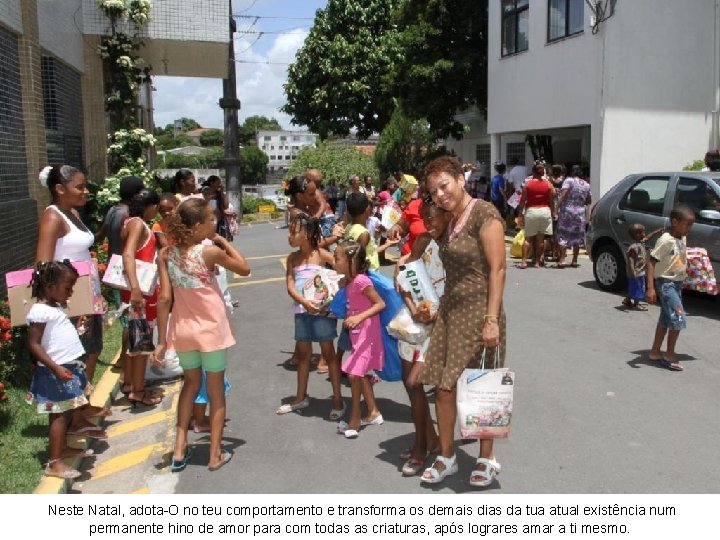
(700, 273)
(115, 276)
(140, 333)
(517, 243)
(485, 401)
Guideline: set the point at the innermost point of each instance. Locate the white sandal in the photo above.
(485, 478)
(437, 476)
(288, 408)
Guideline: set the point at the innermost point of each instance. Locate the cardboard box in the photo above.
(87, 297)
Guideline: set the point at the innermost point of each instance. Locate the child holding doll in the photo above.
(425, 251)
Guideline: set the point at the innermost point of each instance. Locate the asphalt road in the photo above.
(592, 414)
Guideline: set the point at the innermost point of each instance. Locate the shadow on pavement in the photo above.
(642, 358)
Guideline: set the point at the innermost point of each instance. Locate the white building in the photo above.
(281, 147)
(629, 89)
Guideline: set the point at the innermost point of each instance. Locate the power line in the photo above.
(247, 8)
(274, 17)
(285, 31)
(262, 62)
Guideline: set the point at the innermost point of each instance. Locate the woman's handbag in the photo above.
(485, 401)
(115, 276)
(140, 333)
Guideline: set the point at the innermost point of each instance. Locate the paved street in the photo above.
(592, 414)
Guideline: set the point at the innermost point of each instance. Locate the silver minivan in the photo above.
(648, 198)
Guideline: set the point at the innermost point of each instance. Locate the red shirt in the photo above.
(411, 216)
(538, 192)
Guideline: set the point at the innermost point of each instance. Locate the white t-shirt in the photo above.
(60, 339)
(371, 225)
(517, 176)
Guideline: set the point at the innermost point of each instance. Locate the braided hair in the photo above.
(49, 274)
(357, 257)
(311, 226)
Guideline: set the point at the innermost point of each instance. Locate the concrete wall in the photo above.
(186, 20)
(549, 85)
(61, 26)
(643, 84)
(11, 15)
(658, 87)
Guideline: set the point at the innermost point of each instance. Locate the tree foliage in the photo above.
(335, 83)
(444, 66)
(253, 165)
(211, 138)
(212, 158)
(253, 124)
(404, 144)
(166, 141)
(335, 160)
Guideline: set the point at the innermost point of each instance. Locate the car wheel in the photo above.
(609, 268)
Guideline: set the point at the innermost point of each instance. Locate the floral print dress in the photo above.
(571, 216)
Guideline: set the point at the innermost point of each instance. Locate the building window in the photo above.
(295, 138)
(515, 15)
(287, 158)
(482, 153)
(565, 18)
(266, 137)
(272, 158)
(515, 150)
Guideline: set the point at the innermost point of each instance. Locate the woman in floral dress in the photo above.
(574, 196)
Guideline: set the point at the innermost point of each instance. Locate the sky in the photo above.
(259, 83)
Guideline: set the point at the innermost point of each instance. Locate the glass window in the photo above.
(482, 153)
(647, 195)
(283, 138)
(514, 24)
(287, 158)
(515, 150)
(698, 195)
(565, 18)
(266, 137)
(272, 158)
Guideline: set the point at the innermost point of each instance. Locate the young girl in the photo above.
(424, 248)
(167, 205)
(139, 244)
(200, 328)
(361, 335)
(310, 325)
(59, 382)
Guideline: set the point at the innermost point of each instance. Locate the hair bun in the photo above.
(44, 174)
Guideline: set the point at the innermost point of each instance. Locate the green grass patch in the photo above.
(24, 433)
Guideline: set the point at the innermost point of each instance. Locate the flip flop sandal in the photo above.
(412, 466)
(225, 457)
(179, 465)
(485, 478)
(337, 414)
(672, 366)
(288, 408)
(90, 433)
(67, 474)
(85, 453)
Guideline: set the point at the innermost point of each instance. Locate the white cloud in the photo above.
(259, 86)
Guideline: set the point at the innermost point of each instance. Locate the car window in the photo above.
(698, 195)
(647, 195)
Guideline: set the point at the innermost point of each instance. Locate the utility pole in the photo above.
(230, 105)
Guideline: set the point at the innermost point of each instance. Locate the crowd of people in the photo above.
(193, 241)
(459, 238)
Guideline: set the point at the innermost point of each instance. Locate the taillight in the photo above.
(592, 211)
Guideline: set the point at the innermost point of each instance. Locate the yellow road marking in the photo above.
(127, 426)
(125, 461)
(257, 282)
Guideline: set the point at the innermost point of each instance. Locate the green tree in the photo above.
(212, 138)
(335, 160)
(253, 124)
(335, 83)
(166, 141)
(404, 144)
(212, 158)
(444, 67)
(253, 165)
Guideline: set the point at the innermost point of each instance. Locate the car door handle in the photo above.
(620, 218)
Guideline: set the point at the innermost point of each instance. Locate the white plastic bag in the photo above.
(404, 328)
(414, 278)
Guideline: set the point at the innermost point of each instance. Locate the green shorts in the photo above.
(212, 362)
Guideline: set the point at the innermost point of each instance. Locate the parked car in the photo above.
(648, 198)
(271, 192)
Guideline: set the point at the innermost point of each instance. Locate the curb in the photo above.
(101, 397)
